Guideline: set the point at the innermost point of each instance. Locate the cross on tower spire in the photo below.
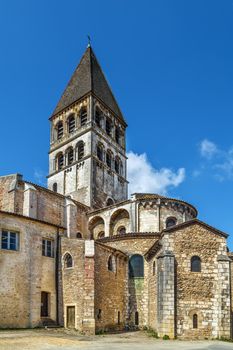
(89, 41)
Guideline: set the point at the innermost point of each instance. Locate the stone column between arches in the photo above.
(224, 302)
(166, 294)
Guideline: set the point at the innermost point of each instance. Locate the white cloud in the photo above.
(144, 178)
(208, 149)
(220, 162)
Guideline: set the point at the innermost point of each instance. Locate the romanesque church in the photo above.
(82, 255)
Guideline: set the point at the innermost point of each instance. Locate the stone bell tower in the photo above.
(87, 159)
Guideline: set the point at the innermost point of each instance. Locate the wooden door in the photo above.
(70, 321)
(44, 304)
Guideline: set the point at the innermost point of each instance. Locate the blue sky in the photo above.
(169, 64)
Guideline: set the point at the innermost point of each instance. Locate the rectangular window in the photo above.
(10, 240)
(48, 248)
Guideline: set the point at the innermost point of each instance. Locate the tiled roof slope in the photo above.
(88, 77)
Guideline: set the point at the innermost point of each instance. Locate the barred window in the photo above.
(59, 130)
(70, 156)
(83, 116)
(71, 123)
(60, 161)
(10, 240)
(136, 266)
(80, 150)
(48, 247)
(98, 117)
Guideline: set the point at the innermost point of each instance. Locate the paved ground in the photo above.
(62, 340)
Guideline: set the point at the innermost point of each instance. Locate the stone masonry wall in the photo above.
(26, 273)
(73, 279)
(7, 193)
(138, 287)
(198, 292)
(110, 291)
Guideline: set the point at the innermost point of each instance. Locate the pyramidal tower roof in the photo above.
(88, 77)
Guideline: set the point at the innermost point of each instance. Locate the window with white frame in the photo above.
(9, 240)
(48, 247)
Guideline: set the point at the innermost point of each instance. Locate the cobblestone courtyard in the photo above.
(60, 339)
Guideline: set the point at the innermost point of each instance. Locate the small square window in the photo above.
(48, 248)
(10, 240)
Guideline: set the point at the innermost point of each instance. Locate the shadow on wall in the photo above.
(136, 288)
(119, 221)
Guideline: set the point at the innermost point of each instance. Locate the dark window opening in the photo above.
(195, 321)
(170, 222)
(80, 148)
(109, 202)
(59, 130)
(195, 264)
(118, 318)
(117, 135)
(70, 156)
(79, 235)
(110, 263)
(48, 248)
(109, 159)
(68, 261)
(136, 266)
(121, 230)
(83, 116)
(55, 187)
(98, 117)
(108, 126)
(44, 311)
(100, 153)
(99, 314)
(136, 318)
(117, 165)
(71, 124)
(60, 161)
(10, 240)
(153, 268)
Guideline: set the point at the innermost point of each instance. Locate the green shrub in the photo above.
(152, 333)
(166, 337)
